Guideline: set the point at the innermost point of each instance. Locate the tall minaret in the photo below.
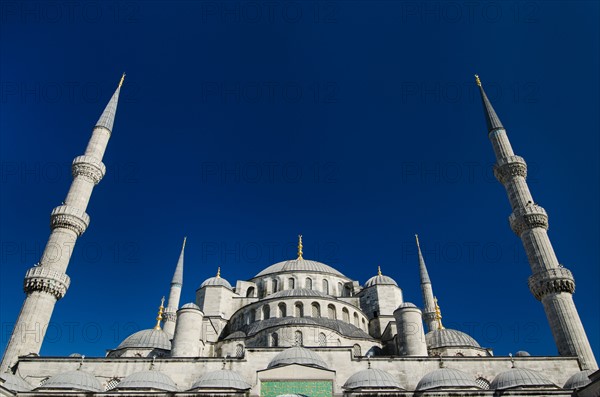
(550, 282)
(427, 291)
(170, 314)
(46, 282)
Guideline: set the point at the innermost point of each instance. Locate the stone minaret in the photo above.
(427, 291)
(170, 314)
(550, 282)
(46, 282)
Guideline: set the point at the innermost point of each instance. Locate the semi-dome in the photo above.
(297, 355)
(190, 306)
(372, 378)
(446, 378)
(298, 292)
(13, 382)
(73, 380)
(299, 265)
(147, 380)
(223, 379)
(449, 338)
(519, 378)
(579, 379)
(216, 281)
(147, 339)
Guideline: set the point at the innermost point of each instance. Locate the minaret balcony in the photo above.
(528, 217)
(88, 167)
(48, 280)
(550, 281)
(509, 167)
(67, 217)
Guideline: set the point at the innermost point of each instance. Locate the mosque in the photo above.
(300, 327)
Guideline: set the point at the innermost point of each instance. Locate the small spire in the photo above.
(300, 247)
(107, 119)
(160, 313)
(438, 313)
(122, 79)
(219, 272)
(178, 275)
(491, 118)
(379, 270)
(422, 268)
(512, 360)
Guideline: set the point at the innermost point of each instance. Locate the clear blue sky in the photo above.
(357, 124)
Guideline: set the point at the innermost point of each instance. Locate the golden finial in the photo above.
(219, 272)
(438, 313)
(417, 238)
(160, 313)
(122, 79)
(300, 247)
(379, 270)
(477, 80)
(184, 240)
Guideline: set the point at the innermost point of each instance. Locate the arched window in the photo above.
(282, 309)
(356, 320)
(250, 292)
(111, 384)
(340, 290)
(347, 291)
(252, 316)
(331, 312)
(483, 383)
(356, 350)
(275, 284)
(274, 340)
(291, 283)
(322, 339)
(298, 310)
(298, 340)
(266, 312)
(239, 350)
(325, 287)
(308, 283)
(345, 315)
(364, 324)
(316, 309)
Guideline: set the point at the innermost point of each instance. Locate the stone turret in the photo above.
(47, 282)
(170, 314)
(551, 283)
(410, 340)
(186, 341)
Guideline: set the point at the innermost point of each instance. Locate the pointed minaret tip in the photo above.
(107, 118)
(477, 80)
(422, 268)
(491, 118)
(122, 79)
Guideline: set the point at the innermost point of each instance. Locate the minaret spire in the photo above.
(47, 282)
(429, 313)
(170, 312)
(551, 283)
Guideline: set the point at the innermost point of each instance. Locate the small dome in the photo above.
(73, 380)
(372, 379)
(297, 355)
(223, 379)
(519, 377)
(216, 282)
(75, 355)
(14, 383)
(449, 338)
(579, 379)
(522, 353)
(380, 279)
(190, 306)
(298, 292)
(147, 380)
(147, 339)
(446, 378)
(407, 304)
(299, 265)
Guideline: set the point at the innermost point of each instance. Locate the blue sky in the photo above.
(357, 124)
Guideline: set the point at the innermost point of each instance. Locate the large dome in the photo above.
(372, 378)
(518, 378)
(147, 339)
(579, 379)
(299, 265)
(446, 377)
(449, 338)
(222, 379)
(147, 380)
(297, 355)
(73, 380)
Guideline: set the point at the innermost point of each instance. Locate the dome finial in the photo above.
(379, 270)
(300, 247)
(477, 80)
(438, 313)
(122, 79)
(218, 272)
(512, 360)
(160, 313)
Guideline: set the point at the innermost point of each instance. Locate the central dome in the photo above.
(299, 265)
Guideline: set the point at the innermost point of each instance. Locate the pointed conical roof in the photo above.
(491, 118)
(107, 119)
(178, 275)
(422, 268)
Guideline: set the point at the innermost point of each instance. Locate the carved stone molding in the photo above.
(527, 218)
(551, 281)
(169, 315)
(46, 280)
(71, 218)
(510, 167)
(89, 168)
